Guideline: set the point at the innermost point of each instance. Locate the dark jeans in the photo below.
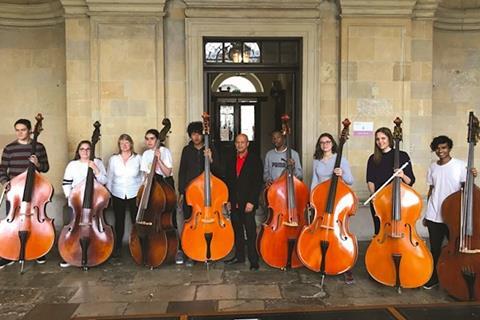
(376, 220)
(120, 208)
(241, 220)
(437, 233)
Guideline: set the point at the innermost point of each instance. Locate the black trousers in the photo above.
(119, 208)
(376, 221)
(243, 221)
(437, 233)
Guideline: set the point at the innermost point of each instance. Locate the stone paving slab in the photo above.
(250, 291)
(216, 292)
(241, 305)
(100, 309)
(146, 308)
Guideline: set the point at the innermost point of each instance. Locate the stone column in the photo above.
(114, 70)
(175, 78)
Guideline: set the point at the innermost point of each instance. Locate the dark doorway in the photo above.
(248, 85)
(237, 113)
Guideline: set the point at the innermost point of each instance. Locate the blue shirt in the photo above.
(323, 170)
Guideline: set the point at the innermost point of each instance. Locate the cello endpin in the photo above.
(22, 263)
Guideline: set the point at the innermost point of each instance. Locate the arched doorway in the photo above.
(249, 84)
(236, 103)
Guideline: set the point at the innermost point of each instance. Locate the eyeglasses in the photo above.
(84, 149)
(325, 142)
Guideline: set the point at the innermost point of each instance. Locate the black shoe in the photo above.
(254, 266)
(42, 260)
(234, 261)
(432, 283)
(5, 262)
(117, 253)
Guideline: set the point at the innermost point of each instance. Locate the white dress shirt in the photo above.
(124, 179)
(165, 156)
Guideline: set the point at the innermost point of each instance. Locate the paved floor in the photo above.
(119, 287)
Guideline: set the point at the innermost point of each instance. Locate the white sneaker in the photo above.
(64, 264)
(41, 260)
(4, 263)
(179, 257)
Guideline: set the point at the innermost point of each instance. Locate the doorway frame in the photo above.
(309, 30)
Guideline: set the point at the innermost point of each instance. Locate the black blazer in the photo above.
(248, 185)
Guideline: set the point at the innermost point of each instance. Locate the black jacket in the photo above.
(192, 165)
(248, 185)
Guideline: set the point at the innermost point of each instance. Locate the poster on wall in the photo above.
(362, 128)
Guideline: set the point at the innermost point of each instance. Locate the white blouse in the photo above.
(76, 171)
(124, 179)
(147, 159)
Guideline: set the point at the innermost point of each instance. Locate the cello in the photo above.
(208, 234)
(326, 244)
(87, 240)
(27, 232)
(459, 262)
(287, 199)
(153, 239)
(397, 256)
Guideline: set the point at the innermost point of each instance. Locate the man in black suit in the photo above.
(244, 180)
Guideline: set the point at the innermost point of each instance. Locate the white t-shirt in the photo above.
(445, 179)
(147, 159)
(124, 179)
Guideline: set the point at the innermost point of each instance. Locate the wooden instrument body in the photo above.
(399, 237)
(332, 227)
(454, 265)
(87, 223)
(27, 216)
(458, 266)
(276, 234)
(27, 233)
(160, 241)
(207, 220)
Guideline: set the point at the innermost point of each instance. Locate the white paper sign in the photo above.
(362, 128)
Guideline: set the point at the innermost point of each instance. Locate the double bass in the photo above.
(87, 240)
(27, 233)
(208, 234)
(458, 266)
(397, 256)
(287, 199)
(153, 239)
(326, 244)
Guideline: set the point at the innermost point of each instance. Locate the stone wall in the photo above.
(456, 85)
(32, 80)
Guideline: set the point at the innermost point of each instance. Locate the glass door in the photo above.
(235, 117)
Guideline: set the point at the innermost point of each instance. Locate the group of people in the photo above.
(242, 172)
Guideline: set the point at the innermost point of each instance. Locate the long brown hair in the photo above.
(127, 137)
(377, 153)
(77, 154)
(318, 150)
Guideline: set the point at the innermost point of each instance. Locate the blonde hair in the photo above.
(127, 137)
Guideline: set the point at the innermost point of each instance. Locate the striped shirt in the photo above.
(15, 160)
